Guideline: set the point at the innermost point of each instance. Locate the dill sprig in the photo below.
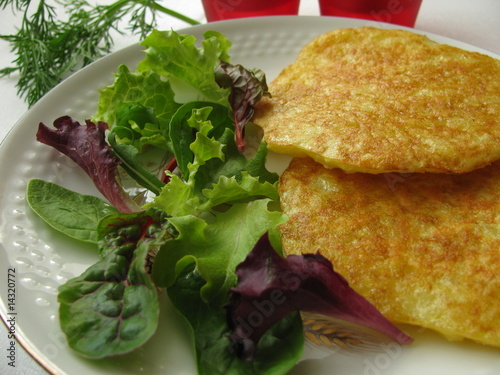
(49, 48)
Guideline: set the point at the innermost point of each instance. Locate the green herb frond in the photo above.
(15, 4)
(49, 46)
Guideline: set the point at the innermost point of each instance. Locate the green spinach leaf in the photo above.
(112, 308)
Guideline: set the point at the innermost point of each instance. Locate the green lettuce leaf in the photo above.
(217, 245)
(146, 89)
(138, 125)
(229, 190)
(172, 55)
(233, 164)
(138, 108)
(112, 308)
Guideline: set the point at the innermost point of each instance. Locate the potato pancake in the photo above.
(374, 100)
(424, 248)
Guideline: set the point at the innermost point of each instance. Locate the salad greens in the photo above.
(217, 247)
(189, 213)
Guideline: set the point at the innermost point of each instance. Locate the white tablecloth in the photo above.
(472, 21)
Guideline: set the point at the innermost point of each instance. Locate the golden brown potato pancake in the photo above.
(374, 100)
(424, 248)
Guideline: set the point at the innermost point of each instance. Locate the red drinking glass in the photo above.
(217, 10)
(400, 12)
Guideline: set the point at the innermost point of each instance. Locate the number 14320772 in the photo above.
(11, 290)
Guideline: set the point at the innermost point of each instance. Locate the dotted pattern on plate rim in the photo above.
(269, 43)
(39, 266)
(38, 269)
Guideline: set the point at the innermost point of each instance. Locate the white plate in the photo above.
(44, 259)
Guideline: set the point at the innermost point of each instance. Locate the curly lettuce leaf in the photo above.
(234, 164)
(86, 146)
(138, 108)
(215, 172)
(112, 308)
(190, 122)
(278, 350)
(275, 286)
(176, 56)
(180, 197)
(126, 99)
(71, 213)
(206, 73)
(217, 245)
(229, 190)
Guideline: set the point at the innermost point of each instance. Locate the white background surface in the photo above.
(472, 21)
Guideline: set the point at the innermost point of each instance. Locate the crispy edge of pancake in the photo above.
(420, 107)
(423, 248)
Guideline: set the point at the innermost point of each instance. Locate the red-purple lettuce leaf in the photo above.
(86, 146)
(270, 287)
(247, 87)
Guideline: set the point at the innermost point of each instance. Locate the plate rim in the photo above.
(21, 337)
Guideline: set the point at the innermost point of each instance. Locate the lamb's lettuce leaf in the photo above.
(71, 213)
